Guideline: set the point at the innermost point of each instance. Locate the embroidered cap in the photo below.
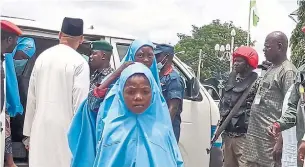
(72, 26)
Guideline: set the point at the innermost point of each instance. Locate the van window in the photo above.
(192, 87)
(212, 91)
(122, 49)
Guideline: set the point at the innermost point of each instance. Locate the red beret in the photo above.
(249, 54)
(10, 27)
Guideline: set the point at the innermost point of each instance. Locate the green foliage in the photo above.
(297, 40)
(205, 38)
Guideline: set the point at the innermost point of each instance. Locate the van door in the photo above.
(213, 92)
(196, 122)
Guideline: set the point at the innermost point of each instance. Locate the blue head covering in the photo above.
(130, 139)
(130, 56)
(82, 134)
(13, 68)
(131, 52)
(27, 46)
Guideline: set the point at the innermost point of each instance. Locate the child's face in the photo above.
(145, 55)
(137, 93)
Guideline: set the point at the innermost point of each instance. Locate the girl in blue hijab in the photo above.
(15, 63)
(137, 130)
(87, 124)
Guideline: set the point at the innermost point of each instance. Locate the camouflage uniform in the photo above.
(98, 76)
(294, 116)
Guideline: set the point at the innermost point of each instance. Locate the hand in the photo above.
(274, 130)
(114, 76)
(27, 147)
(301, 152)
(123, 67)
(26, 142)
(277, 150)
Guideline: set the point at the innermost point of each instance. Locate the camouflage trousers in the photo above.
(233, 151)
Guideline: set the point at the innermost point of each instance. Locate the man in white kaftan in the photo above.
(59, 83)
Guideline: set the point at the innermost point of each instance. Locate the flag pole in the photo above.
(249, 24)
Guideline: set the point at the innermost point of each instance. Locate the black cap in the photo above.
(72, 26)
(164, 48)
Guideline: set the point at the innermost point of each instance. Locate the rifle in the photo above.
(221, 126)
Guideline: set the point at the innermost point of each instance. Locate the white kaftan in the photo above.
(59, 83)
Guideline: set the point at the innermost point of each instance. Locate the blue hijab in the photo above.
(131, 53)
(82, 134)
(130, 139)
(14, 68)
(130, 56)
(27, 46)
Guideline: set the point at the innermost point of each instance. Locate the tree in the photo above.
(205, 38)
(297, 40)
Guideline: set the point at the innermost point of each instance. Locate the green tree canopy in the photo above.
(297, 40)
(205, 38)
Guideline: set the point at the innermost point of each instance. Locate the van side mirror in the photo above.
(193, 89)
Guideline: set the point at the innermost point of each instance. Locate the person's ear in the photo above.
(81, 40)
(103, 57)
(60, 35)
(280, 46)
(10, 40)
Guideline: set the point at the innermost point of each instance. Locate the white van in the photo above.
(200, 113)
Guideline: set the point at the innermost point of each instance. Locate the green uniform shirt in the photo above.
(294, 116)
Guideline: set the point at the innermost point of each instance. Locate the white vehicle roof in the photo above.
(32, 24)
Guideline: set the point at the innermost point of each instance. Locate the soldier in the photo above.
(100, 62)
(245, 61)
